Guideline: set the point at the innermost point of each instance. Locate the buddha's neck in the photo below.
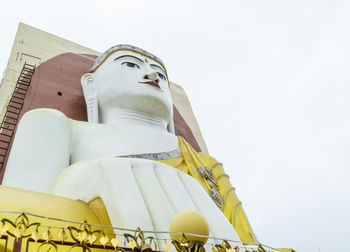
(120, 133)
(125, 117)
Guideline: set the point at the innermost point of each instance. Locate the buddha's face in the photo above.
(129, 80)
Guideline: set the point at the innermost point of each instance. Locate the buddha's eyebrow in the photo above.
(128, 56)
(158, 67)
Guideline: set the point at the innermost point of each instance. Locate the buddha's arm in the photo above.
(40, 151)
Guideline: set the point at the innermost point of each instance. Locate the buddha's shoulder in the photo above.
(44, 119)
(52, 119)
(44, 113)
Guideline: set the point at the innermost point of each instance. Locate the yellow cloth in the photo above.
(232, 209)
(44, 204)
(14, 199)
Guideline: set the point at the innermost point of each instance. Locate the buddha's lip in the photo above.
(152, 83)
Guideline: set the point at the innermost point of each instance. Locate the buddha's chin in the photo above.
(153, 105)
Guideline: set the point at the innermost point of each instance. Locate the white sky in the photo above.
(268, 82)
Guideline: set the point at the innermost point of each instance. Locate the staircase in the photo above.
(14, 108)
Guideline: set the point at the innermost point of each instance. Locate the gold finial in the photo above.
(189, 221)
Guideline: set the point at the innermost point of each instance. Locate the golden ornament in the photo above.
(18, 232)
(104, 240)
(81, 236)
(132, 244)
(47, 235)
(91, 238)
(189, 221)
(115, 242)
(3, 228)
(166, 246)
(35, 235)
(62, 235)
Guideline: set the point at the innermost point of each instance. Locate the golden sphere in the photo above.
(189, 221)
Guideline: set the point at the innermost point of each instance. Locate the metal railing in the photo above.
(14, 108)
(20, 233)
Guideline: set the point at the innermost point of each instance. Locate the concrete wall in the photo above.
(183, 105)
(33, 46)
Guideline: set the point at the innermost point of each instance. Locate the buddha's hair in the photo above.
(123, 47)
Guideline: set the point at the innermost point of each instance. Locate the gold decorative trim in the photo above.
(89, 236)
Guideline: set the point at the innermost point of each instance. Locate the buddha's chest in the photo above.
(92, 140)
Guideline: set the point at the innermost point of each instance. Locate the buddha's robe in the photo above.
(231, 206)
(141, 193)
(147, 187)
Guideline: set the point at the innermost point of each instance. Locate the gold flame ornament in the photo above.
(115, 242)
(47, 235)
(82, 236)
(91, 238)
(3, 228)
(132, 244)
(62, 235)
(35, 235)
(213, 250)
(18, 232)
(166, 246)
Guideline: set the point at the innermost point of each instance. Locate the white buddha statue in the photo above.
(126, 153)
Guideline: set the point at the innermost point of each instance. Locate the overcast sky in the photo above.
(268, 82)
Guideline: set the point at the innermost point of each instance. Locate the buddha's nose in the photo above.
(150, 73)
(152, 76)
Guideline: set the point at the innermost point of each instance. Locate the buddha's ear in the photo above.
(171, 125)
(90, 95)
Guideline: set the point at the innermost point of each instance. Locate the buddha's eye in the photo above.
(129, 64)
(161, 76)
